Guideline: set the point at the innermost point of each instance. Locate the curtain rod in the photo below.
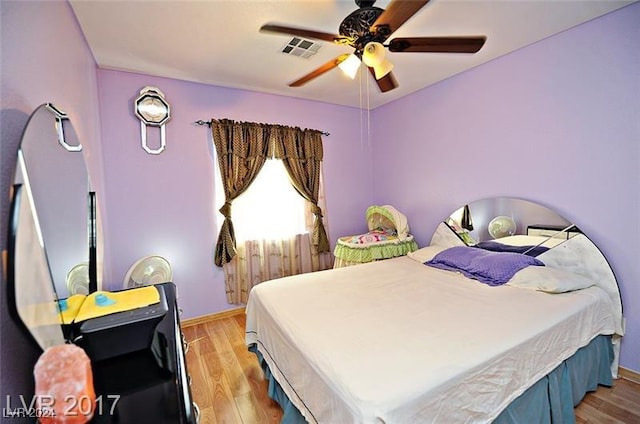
(208, 124)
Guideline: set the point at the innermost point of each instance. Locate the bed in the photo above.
(401, 341)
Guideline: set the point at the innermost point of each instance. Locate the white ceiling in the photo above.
(217, 41)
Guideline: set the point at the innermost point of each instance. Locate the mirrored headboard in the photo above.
(491, 218)
(522, 223)
(52, 229)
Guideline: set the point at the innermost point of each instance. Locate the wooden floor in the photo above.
(226, 380)
(228, 385)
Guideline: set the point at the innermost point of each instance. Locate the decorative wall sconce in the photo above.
(153, 110)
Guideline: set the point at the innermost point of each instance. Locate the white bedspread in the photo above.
(396, 341)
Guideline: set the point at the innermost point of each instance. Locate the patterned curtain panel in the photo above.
(301, 152)
(241, 149)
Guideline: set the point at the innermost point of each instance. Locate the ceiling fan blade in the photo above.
(437, 44)
(300, 32)
(396, 14)
(319, 71)
(386, 83)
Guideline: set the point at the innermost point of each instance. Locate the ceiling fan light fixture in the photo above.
(382, 69)
(373, 56)
(365, 30)
(350, 66)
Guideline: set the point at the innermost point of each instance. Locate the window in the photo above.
(270, 209)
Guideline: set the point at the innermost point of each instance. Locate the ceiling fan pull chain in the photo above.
(361, 113)
(368, 116)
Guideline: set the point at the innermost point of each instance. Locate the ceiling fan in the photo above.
(366, 29)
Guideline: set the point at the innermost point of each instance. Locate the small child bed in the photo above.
(388, 237)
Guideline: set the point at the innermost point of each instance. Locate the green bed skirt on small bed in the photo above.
(550, 400)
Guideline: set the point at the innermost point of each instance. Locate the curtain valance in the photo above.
(281, 140)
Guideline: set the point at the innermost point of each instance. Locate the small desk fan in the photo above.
(78, 279)
(148, 270)
(502, 226)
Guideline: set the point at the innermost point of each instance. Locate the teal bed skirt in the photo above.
(550, 400)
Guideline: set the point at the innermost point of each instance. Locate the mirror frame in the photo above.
(33, 304)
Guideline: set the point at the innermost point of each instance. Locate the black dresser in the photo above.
(150, 385)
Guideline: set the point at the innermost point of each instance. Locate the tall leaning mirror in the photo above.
(52, 223)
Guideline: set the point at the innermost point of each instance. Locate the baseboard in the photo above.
(206, 318)
(628, 374)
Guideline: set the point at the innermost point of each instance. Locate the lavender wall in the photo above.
(164, 204)
(44, 58)
(556, 122)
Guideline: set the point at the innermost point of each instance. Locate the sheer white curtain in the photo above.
(272, 225)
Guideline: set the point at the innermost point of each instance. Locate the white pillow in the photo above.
(549, 280)
(426, 253)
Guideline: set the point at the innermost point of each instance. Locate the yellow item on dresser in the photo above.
(117, 302)
(74, 303)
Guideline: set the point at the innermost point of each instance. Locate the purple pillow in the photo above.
(492, 268)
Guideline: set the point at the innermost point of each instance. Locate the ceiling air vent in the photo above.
(301, 48)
